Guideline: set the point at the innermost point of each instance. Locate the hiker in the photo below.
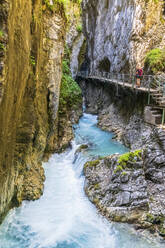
(139, 74)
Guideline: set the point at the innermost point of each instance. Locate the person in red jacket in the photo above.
(139, 75)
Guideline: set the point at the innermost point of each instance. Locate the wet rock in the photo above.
(132, 190)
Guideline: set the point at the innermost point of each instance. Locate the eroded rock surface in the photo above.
(130, 188)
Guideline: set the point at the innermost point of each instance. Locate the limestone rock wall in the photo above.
(74, 37)
(31, 50)
(120, 33)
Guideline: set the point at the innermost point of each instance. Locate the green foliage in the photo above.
(70, 94)
(79, 28)
(2, 47)
(1, 33)
(155, 60)
(32, 61)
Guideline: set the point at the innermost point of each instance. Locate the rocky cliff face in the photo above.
(120, 33)
(130, 188)
(70, 104)
(31, 49)
(120, 110)
(75, 39)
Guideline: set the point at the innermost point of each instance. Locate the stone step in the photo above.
(157, 94)
(156, 112)
(153, 115)
(157, 115)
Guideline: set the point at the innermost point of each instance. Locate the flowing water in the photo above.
(63, 217)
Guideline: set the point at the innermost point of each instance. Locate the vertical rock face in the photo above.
(120, 110)
(120, 33)
(31, 49)
(75, 38)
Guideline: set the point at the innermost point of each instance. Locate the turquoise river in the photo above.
(63, 217)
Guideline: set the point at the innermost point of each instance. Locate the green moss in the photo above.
(96, 186)
(125, 158)
(63, 3)
(155, 60)
(1, 33)
(84, 146)
(96, 200)
(118, 168)
(129, 156)
(70, 93)
(124, 173)
(2, 47)
(149, 218)
(32, 61)
(155, 1)
(79, 28)
(154, 219)
(162, 231)
(91, 163)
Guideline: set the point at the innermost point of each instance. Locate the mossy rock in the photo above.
(96, 201)
(84, 146)
(97, 186)
(129, 156)
(154, 219)
(81, 148)
(91, 163)
(119, 168)
(162, 231)
(124, 173)
(125, 158)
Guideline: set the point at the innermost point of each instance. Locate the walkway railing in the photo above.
(154, 85)
(147, 81)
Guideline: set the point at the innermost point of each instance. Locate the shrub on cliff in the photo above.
(70, 93)
(155, 60)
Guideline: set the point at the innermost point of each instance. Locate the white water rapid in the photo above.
(63, 217)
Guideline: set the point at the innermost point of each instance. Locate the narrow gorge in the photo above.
(70, 129)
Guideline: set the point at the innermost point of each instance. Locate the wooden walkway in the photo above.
(154, 86)
(124, 84)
